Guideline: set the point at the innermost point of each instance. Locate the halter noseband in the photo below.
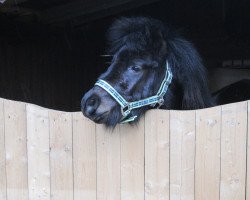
(126, 107)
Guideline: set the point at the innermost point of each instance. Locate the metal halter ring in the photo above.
(125, 110)
(160, 102)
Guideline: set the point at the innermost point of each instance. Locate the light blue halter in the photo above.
(126, 107)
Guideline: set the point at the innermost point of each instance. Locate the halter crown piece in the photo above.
(126, 106)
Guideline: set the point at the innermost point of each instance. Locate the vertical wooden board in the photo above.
(108, 163)
(61, 167)
(233, 151)
(84, 158)
(132, 161)
(248, 153)
(38, 152)
(182, 154)
(16, 150)
(2, 154)
(207, 162)
(157, 155)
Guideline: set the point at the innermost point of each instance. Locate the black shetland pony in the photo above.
(140, 47)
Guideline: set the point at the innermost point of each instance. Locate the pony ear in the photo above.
(190, 74)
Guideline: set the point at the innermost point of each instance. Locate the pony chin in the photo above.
(114, 117)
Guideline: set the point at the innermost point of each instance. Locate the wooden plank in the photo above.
(132, 161)
(61, 164)
(38, 152)
(233, 151)
(182, 154)
(16, 150)
(157, 155)
(2, 155)
(84, 158)
(108, 163)
(207, 165)
(248, 153)
(12, 2)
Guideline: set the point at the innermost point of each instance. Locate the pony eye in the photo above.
(136, 68)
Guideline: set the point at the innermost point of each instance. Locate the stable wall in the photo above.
(222, 77)
(201, 154)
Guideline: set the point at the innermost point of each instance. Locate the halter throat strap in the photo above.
(126, 106)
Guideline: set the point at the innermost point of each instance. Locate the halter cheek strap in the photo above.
(126, 106)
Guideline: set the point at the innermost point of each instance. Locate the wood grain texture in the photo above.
(61, 163)
(84, 158)
(182, 151)
(132, 161)
(16, 150)
(248, 153)
(233, 151)
(108, 163)
(207, 161)
(3, 187)
(167, 155)
(157, 155)
(38, 152)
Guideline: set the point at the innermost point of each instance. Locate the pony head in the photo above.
(140, 48)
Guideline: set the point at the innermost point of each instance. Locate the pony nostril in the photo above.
(91, 105)
(91, 102)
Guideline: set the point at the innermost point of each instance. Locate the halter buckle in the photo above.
(160, 102)
(125, 110)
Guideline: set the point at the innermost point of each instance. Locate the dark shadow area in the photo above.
(51, 51)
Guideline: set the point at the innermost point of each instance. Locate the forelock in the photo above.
(137, 33)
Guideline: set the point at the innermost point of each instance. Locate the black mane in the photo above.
(149, 35)
(141, 47)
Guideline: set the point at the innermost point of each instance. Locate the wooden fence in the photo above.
(172, 155)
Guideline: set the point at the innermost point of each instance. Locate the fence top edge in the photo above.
(150, 111)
